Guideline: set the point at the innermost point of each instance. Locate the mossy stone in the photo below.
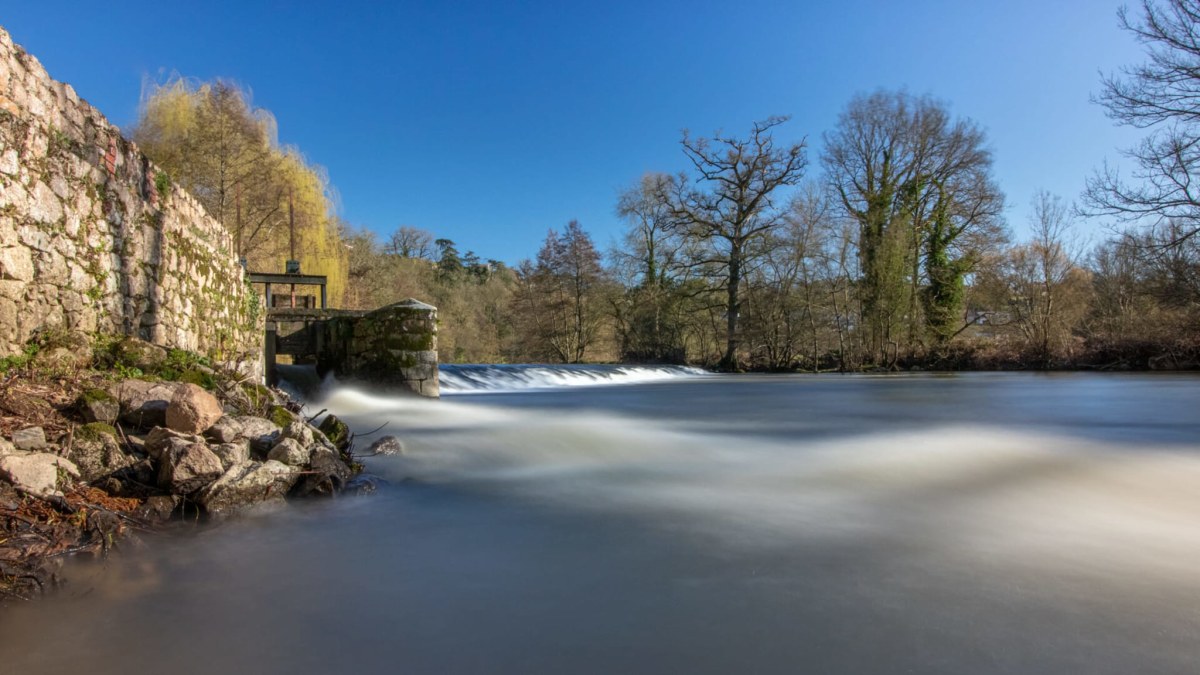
(98, 405)
(336, 431)
(281, 416)
(94, 431)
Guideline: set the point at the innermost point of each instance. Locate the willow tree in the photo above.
(213, 142)
(918, 183)
(733, 202)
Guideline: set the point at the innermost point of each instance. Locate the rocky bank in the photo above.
(103, 437)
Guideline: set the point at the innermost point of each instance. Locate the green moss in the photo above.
(198, 377)
(281, 416)
(162, 183)
(336, 431)
(259, 395)
(95, 431)
(96, 395)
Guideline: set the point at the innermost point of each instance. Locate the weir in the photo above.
(394, 345)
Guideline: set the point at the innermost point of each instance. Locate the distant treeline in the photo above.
(889, 251)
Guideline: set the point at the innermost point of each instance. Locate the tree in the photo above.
(918, 183)
(214, 143)
(410, 242)
(449, 264)
(1048, 288)
(649, 263)
(1163, 96)
(559, 296)
(731, 204)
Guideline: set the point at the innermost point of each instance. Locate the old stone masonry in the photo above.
(93, 237)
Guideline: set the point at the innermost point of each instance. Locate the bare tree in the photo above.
(1049, 289)
(731, 203)
(410, 242)
(1162, 95)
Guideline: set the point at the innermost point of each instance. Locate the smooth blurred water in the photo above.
(983, 523)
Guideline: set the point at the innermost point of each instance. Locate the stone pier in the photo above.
(394, 345)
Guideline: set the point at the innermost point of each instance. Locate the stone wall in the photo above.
(393, 345)
(94, 237)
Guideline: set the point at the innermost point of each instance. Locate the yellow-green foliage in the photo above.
(212, 141)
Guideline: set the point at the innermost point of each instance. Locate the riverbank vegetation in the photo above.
(883, 245)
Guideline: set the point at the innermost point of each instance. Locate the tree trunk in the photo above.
(729, 360)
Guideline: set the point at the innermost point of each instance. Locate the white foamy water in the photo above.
(974, 524)
(461, 379)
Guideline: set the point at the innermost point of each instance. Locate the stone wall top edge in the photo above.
(93, 116)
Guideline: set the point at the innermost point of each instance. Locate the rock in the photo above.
(290, 452)
(326, 475)
(63, 359)
(161, 438)
(225, 430)
(192, 410)
(97, 405)
(96, 452)
(388, 445)
(183, 469)
(6, 447)
(135, 353)
(262, 433)
(144, 404)
(159, 507)
(363, 485)
(336, 431)
(247, 484)
(232, 454)
(32, 438)
(299, 432)
(36, 474)
(281, 416)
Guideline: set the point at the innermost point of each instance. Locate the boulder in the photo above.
(299, 432)
(363, 484)
(388, 445)
(144, 404)
(336, 431)
(159, 507)
(96, 452)
(135, 353)
(59, 359)
(232, 454)
(326, 475)
(290, 452)
(225, 430)
(98, 405)
(32, 438)
(36, 473)
(261, 433)
(192, 410)
(6, 447)
(161, 438)
(185, 468)
(281, 416)
(247, 484)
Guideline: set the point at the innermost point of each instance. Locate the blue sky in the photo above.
(489, 123)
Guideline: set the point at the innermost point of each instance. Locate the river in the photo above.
(595, 520)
